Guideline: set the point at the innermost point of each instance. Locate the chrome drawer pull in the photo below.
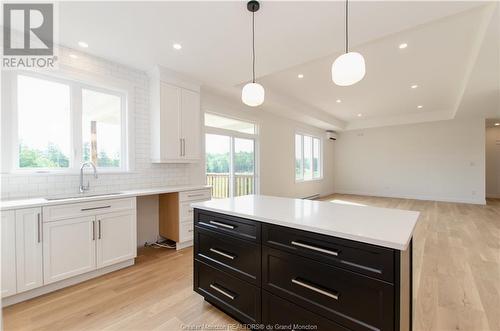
(313, 248)
(227, 226)
(222, 292)
(196, 195)
(94, 208)
(222, 253)
(315, 289)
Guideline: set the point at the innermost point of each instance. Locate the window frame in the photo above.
(302, 134)
(232, 134)
(76, 120)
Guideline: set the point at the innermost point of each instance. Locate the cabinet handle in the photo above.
(39, 220)
(99, 227)
(315, 289)
(222, 253)
(222, 292)
(196, 195)
(183, 147)
(94, 208)
(180, 146)
(314, 248)
(224, 225)
(93, 230)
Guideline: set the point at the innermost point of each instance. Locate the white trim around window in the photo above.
(77, 83)
(302, 177)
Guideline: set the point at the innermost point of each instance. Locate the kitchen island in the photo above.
(296, 264)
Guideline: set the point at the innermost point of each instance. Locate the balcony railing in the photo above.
(243, 184)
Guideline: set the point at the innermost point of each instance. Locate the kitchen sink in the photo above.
(80, 196)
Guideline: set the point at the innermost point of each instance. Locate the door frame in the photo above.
(232, 135)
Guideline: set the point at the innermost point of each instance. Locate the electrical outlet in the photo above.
(473, 192)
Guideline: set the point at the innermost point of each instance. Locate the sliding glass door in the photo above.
(230, 165)
(230, 147)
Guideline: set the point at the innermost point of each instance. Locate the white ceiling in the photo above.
(445, 52)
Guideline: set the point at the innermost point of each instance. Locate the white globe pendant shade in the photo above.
(252, 94)
(348, 69)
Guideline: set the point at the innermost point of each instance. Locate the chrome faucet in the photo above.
(84, 188)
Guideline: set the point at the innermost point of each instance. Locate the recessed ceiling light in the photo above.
(300, 76)
(83, 44)
(338, 101)
(359, 115)
(414, 86)
(177, 46)
(420, 106)
(497, 124)
(403, 45)
(73, 56)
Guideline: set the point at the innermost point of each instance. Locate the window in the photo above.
(308, 164)
(61, 123)
(230, 147)
(44, 133)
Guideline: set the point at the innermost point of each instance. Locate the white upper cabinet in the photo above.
(175, 118)
(8, 253)
(29, 238)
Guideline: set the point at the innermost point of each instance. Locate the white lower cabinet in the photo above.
(8, 224)
(29, 258)
(116, 238)
(69, 248)
(79, 245)
(42, 246)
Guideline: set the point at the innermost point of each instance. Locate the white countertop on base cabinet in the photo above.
(391, 228)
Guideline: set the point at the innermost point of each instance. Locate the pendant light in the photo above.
(348, 68)
(253, 93)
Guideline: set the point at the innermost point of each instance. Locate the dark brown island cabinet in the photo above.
(284, 270)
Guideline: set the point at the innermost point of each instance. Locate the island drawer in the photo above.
(232, 226)
(366, 259)
(236, 297)
(351, 299)
(284, 315)
(237, 257)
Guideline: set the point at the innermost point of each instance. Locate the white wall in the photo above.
(493, 162)
(144, 174)
(277, 149)
(441, 161)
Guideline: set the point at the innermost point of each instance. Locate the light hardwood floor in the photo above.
(456, 281)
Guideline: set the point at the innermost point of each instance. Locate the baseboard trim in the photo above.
(16, 298)
(183, 245)
(414, 197)
(493, 196)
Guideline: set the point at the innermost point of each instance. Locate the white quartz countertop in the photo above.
(392, 228)
(40, 202)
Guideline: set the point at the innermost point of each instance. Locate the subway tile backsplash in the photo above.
(144, 175)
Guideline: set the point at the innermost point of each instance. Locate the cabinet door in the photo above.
(116, 238)
(190, 124)
(29, 249)
(170, 136)
(69, 248)
(8, 253)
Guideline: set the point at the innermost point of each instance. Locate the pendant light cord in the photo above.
(253, 46)
(347, 26)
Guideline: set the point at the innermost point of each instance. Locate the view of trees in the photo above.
(219, 163)
(53, 157)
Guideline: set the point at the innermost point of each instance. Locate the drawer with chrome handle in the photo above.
(366, 259)
(239, 298)
(329, 291)
(198, 195)
(233, 226)
(72, 210)
(237, 257)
